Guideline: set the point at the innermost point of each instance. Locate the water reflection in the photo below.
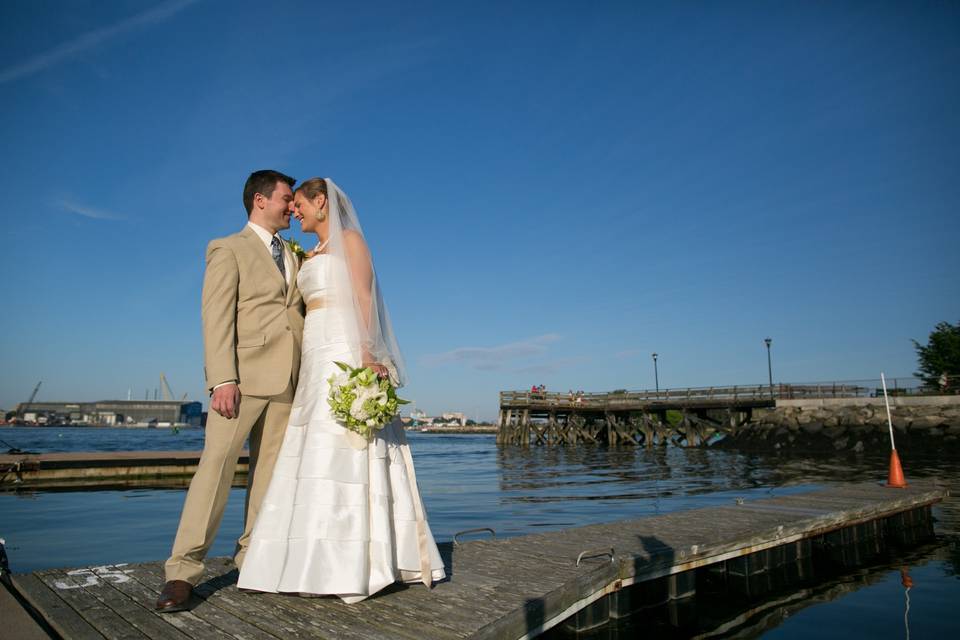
(561, 474)
(871, 600)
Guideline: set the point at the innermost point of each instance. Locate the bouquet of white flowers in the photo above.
(362, 401)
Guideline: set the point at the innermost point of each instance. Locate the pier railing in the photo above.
(866, 388)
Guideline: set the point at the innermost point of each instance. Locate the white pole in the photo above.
(886, 401)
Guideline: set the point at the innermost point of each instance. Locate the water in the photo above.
(467, 482)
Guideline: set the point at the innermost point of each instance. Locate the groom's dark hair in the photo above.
(263, 181)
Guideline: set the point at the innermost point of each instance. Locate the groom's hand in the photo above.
(226, 400)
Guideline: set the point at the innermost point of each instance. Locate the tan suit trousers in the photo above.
(264, 420)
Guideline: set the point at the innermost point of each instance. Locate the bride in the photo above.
(342, 515)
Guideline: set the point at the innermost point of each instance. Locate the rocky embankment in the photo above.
(927, 422)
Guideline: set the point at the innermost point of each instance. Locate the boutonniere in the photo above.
(296, 249)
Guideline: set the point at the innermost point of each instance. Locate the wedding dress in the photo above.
(341, 516)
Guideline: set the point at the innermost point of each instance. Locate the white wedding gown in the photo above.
(337, 519)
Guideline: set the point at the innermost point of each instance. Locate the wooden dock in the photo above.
(640, 417)
(500, 588)
(113, 469)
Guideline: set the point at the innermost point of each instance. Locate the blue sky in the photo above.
(552, 190)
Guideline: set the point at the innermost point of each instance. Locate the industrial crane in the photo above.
(167, 392)
(25, 406)
(165, 388)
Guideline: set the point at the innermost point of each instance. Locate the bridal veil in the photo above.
(357, 291)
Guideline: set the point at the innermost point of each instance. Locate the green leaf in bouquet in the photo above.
(366, 376)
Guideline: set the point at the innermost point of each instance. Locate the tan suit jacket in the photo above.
(252, 322)
(252, 328)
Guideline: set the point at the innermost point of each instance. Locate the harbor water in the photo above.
(468, 481)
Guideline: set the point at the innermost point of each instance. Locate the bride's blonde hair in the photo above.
(313, 187)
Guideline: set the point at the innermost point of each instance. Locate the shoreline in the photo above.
(132, 427)
(480, 428)
(473, 429)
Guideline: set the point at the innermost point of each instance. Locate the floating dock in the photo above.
(509, 588)
(63, 471)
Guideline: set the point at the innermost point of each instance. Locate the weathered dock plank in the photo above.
(104, 619)
(497, 588)
(147, 580)
(189, 625)
(132, 611)
(218, 578)
(104, 469)
(57, 611)
(283, 616)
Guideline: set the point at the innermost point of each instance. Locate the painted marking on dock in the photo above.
(92, 576)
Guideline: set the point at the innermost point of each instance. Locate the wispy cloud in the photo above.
(89, 212)
(494, 358)
(552, 366)
(93, 39)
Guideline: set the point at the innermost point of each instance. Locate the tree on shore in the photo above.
(941, 355)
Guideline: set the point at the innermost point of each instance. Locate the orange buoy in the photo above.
(895, 478)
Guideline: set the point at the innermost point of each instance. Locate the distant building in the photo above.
(114, 412)
(420, 418)
(458, 417)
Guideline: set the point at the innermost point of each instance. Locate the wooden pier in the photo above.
(113, 469)
(506, 588)
(641, 417)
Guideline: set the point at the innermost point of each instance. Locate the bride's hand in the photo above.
(378, 369)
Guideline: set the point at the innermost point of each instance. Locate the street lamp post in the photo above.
(656, 376)
(767, 342)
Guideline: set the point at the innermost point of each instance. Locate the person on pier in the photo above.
(253, 315)
(343, 515)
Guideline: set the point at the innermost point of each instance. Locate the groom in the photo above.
(252, 326)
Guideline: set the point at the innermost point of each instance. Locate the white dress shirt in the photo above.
(268, 243)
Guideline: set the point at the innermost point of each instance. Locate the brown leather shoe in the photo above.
(175, 596)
